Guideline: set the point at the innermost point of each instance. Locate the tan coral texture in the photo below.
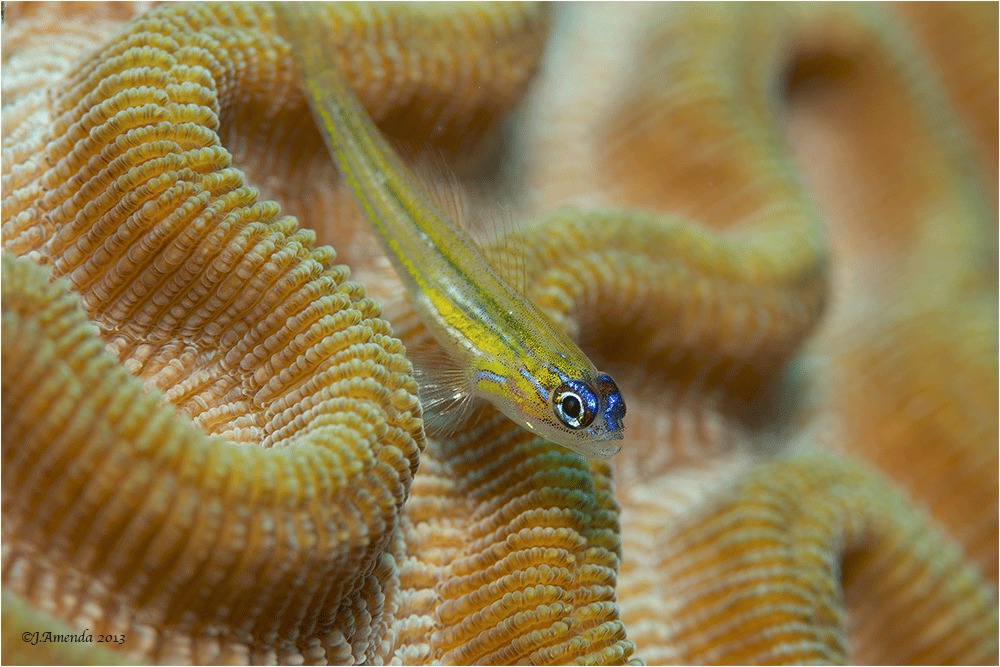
(774, 224)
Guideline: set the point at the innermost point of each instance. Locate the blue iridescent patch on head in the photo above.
(614, 404)
(493, 377)
(542, 394)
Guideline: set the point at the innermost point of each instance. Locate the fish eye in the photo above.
(575, 404)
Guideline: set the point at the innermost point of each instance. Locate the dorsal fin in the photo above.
(439, 182)
(500, 246)
(489, 228)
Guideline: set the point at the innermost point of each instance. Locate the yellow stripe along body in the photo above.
(515, 356)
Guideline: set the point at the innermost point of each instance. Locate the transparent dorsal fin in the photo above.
(440, 184)
(445, 393)
(500, 246)
(489, 228)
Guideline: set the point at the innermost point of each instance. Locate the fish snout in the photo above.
(613, 407)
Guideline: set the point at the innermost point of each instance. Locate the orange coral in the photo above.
(211, 433)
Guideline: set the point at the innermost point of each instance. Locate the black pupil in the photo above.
(571, 407)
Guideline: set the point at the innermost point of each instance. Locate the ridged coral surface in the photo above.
(772, 223)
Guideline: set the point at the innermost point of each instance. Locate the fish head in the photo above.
(573, 405)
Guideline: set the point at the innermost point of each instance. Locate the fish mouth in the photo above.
(610, 435)
(607, 451)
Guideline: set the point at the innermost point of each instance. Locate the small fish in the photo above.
(502, 347)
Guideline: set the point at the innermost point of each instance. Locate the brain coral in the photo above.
(774, 223)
